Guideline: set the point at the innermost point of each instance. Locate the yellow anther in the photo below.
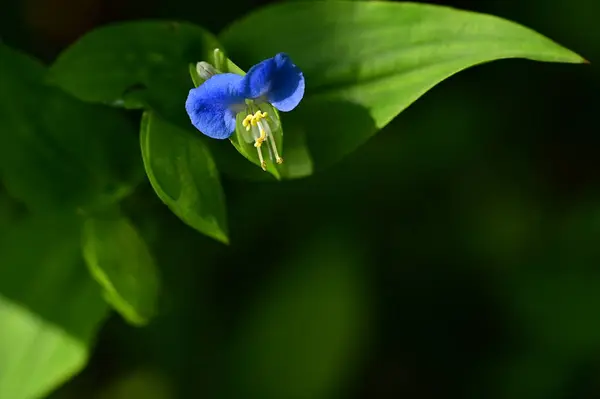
(246, 122)
(261, 139)
(253, 119)
(258, 115)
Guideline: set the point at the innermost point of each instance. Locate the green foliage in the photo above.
(73, 193)
(184, 176)
(366, 62)
(57, 152)
(121, 263)
(59, 158)
(50, 308)
(135, 65)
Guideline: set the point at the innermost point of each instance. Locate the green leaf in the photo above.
(142, 64)
(56, 151)
(224, 64)
(184, 176)
(365, 62)
(121, 263)
(302, 337)
(50, 308)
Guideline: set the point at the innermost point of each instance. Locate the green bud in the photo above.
(206, 70)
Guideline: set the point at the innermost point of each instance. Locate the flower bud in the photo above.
(206, 70)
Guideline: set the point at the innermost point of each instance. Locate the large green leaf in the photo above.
(365, 62)
(119, 259)
(135, 64)
(302, 337)
(50, 308)
(56, 151)
(184, 176)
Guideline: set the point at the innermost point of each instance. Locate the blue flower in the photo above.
(216, 105)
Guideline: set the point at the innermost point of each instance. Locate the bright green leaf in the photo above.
(56, 151)
(135, 64)
(184, 176)
(121, 263)
(365, 62)
(50, 308)
(302, 337)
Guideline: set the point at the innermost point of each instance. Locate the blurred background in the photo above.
(456, 254)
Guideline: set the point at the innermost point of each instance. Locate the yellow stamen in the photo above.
(252, 120)
(278, 159)
(263, 164)
(261, 139)
(246, 122)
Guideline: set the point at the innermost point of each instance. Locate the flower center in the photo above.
(255, 120)
(258, 123)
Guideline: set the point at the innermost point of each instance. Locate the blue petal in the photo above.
(278, 80)
(213, 105)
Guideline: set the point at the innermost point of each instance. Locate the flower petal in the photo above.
(213, 105)
(278, 79)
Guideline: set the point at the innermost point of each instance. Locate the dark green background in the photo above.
(465, 238)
